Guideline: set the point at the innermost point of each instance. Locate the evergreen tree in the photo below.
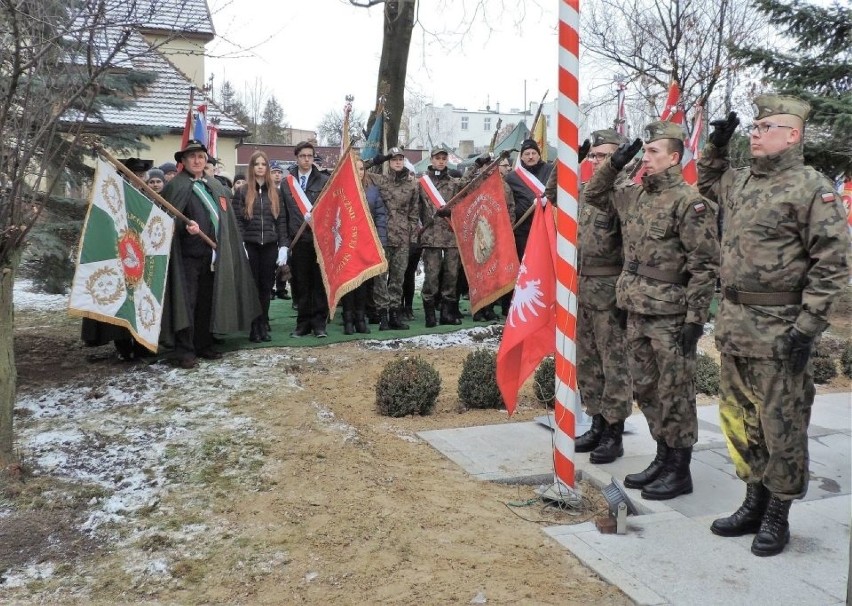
(232, 105)
(818, 68)
(271, 127)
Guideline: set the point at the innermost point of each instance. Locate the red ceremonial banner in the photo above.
(348, 248)
(530, 331)
(486, 243)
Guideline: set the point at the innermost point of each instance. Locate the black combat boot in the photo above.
(746, 519)
(394, 320)
(774, 531)
(675, 478)
(361, 323)
(479, 316)
(407, 313)
(348, 323)
(490, 316)
(429, 314)
(454, 308)
(447, 314)
(610, 447)
(383, 320)
(254, 335)
(650, 473)
(590, 440)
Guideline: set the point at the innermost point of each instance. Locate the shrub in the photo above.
(406, 387)
(707, 372)
(824, 369)
(545, 382)
(478, 380)
(846, 360)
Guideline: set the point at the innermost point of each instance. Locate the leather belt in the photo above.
(672, 277)
(741, 297)
(600, 270)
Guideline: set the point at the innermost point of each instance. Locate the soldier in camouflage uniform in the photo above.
(604, 381)
(441, 262)
(671, 259)
(400, 193)
(784, 246)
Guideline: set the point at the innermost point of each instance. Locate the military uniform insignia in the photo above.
(223, 202)
(828, 197)
(699, 207)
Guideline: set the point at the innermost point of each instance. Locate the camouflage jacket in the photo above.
(668, 230)
(599, 248)
(400, 193)
(783, 231)
(437, 232)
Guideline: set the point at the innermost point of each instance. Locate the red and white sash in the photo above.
(530, 180)
(432, 192)
(299, 196)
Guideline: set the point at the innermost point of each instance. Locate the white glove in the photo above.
(283, 254)
(245, 249)
(213, 261)
(308, 217)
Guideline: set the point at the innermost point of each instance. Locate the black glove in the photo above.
(583, 151)
(444, 211)
(723, 130)
(482, 160)
(505, 154)
(620, 316)
(800, 350)
(625, 153)
(687, 340)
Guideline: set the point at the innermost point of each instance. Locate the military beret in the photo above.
(771, 105)
(606, 136)
(663, 130)
(436, 151)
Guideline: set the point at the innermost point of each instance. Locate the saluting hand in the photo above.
(723, 130)
(625, 153)
(583, 151)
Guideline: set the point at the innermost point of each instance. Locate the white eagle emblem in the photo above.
(335, 229)
(527, 298)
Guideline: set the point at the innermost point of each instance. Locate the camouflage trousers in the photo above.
(440, 271)
(602, 366)
(387, 288)
(663, 379)
(765, 411)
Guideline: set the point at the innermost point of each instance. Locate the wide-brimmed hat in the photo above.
(137, 165)
(191, 146)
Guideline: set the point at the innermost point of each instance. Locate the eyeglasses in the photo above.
(597, 157)
(505, 166)
(764, 128)
(305, 156)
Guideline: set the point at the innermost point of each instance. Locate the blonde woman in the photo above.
(261, 222)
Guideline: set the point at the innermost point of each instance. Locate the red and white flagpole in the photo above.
(566, 242)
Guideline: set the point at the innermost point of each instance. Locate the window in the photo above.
(486, 124)
(464, 122)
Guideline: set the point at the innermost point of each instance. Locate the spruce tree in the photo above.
(818, 68)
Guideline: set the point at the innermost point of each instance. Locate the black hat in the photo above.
(191, 146)
(529, 144)
(168, 167)
(239, 177)
(137, 165)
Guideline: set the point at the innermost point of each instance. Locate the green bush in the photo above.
(707, 372)
(824, 369)
(846, 360)
(406, 387)
(478, 380)
(544, 379)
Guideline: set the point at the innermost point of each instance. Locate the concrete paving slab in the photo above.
(838, 509)
(508, 452)
(829, 466)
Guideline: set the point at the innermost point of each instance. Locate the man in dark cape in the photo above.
(198, 301)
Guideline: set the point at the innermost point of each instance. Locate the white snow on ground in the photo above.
(25, 297)
(484, 336)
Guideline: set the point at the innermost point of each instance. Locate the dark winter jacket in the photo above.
(524, 196)
(263, 227)
(293, 218)
(378, 211)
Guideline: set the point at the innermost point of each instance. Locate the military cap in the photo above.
(771, 105)
(191, 146)
(395, 151)
(606, 136)
(275, 165)
(663, 129)
(436, 151)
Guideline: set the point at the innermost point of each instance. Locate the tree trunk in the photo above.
(8, 376)
(399, 25)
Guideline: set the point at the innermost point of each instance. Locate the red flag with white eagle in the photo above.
(348, 248)
(530, 331)
(483, 229)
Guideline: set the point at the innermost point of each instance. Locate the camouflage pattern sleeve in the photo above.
(826, 240)
(597, 190)
(711, 167)
(414, 213)
(699, 237)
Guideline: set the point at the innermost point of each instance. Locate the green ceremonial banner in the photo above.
(123, 258)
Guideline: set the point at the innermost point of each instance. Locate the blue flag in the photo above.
(373, 146)
(199, 131)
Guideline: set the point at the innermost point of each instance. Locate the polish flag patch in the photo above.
(699, 207)
(828, 197)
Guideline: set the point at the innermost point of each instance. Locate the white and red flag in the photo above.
(530, 331)
(348, 248)
(299, 197)
(690, 152)
(672, 112)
